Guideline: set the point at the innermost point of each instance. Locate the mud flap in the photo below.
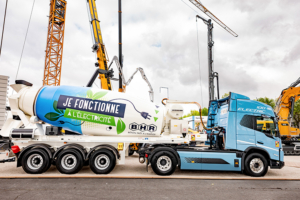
(147, 163)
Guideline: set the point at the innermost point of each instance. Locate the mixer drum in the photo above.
(98, 112)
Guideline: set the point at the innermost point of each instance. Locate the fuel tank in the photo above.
(90, 111)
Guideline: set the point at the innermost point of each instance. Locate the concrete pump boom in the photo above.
(99, 47)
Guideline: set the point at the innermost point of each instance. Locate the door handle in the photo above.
(260, 142)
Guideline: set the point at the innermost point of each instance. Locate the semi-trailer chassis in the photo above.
(235, 141)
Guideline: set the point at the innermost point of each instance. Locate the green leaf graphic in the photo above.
(52, 116)
(89, 94)
(155, 118)
(98, 95)
(156, 111)
(120, 126)
(56, 109)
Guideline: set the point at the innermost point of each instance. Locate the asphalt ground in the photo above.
(146, 189)
(133, 169)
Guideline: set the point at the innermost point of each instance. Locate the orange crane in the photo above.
(55, 41)
(284, 109)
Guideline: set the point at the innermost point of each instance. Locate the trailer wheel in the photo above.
(48, 167)
(256, 165)
(35, 161)
(102, 161)
(163, 163)
(69, 161)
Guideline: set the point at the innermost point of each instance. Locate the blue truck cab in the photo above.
(243, 135)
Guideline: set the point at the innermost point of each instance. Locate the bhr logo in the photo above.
(142, 127)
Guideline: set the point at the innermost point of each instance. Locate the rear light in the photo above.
(146, 155)
(15, 149)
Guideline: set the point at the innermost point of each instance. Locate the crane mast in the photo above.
(55, 40)
(211, 73)
(99, 47)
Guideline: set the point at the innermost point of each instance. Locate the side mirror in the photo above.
(277, 133)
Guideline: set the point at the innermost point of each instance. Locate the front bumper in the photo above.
(275, 164)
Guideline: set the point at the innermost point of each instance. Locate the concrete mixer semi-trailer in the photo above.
(71, 126)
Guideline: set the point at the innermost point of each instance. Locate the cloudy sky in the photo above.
(161, 37)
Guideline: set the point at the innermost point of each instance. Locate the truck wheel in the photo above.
(35, 161)
(102, 161)
(164, 163)
(256, 165)
(69, 161)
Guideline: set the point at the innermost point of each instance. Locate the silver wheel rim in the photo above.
(68, 161)
(35, 161)
(102, 161)
(256, 165)
(164, 163)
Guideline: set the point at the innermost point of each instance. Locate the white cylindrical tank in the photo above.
(27, 100)
(93, 111)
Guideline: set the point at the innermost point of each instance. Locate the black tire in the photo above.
(102, 161)
(35, 161)
(163, 163)
(256, 165)
(69, 161)
(48, 167)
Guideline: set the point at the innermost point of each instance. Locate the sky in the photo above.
(161, 37)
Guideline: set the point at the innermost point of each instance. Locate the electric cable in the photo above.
(91, 30)
(89, 18)
(25, 39)
(96, 85)
(129, 102)
(199, 62)
(64, 122)
(198, 51)
(189, 6)
(3, 27)
(213, 66)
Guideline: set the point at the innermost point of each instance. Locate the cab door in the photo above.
(265, 132)
(245, 131)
